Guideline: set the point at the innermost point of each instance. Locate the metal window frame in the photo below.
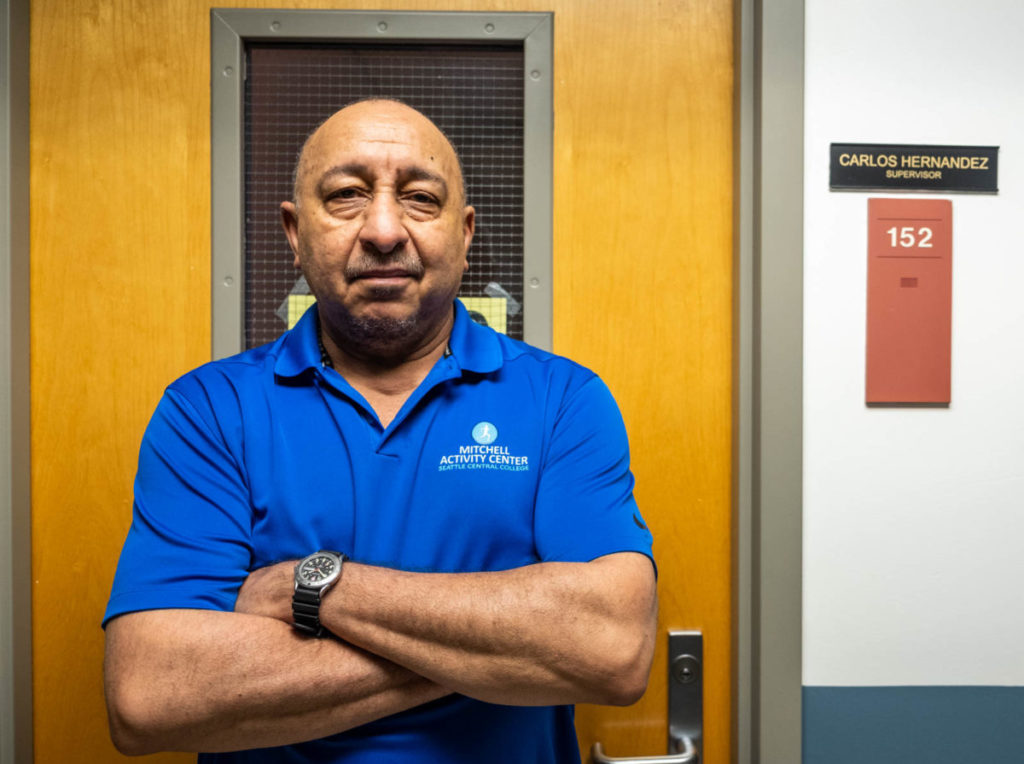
(231, 29)
(16, 729)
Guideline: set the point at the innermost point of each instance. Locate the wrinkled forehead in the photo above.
(389, 136)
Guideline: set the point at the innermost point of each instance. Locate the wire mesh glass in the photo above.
(474, 94)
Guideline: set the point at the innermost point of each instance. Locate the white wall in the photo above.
(914, 518)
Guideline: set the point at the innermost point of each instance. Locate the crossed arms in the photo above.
(543, 634)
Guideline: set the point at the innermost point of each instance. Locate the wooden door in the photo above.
(120, 237)
(643, 247)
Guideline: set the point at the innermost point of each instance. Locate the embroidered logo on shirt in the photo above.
(485, 433)
(484, 454)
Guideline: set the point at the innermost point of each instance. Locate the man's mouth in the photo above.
(384, 283)
(383, 274)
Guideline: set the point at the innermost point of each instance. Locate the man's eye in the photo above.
(344, 193)
(421, 198)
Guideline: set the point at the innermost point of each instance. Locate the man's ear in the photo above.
(290, 223)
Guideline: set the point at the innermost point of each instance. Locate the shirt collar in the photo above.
(475, 348)
(299, 349)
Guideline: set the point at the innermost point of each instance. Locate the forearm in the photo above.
(209, 681)
(541, 634)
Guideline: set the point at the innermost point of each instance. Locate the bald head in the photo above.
(381, 115)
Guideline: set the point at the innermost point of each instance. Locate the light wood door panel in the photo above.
(120, 238)
(642, 294)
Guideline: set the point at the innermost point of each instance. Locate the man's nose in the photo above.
(383, 229)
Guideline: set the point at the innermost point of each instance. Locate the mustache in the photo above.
(377, 264)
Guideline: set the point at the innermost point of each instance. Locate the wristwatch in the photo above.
(314, 576)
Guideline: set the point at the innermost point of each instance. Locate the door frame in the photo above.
(768, 361)
(768, 379)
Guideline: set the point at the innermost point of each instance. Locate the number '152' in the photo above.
(908, 236)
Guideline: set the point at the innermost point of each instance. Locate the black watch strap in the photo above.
(306, 611)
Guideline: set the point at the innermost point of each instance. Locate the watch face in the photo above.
(318, 569)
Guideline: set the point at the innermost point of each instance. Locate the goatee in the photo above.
(380, 336)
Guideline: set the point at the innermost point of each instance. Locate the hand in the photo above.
(268, 592)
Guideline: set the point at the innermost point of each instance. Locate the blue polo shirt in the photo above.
(504, 456)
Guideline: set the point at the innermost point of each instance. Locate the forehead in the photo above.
(385, 137)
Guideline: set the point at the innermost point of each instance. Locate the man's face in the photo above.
(379, 227)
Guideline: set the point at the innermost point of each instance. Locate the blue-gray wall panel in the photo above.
(905, 725)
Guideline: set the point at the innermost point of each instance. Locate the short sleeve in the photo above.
(189, 544)
(585, 506)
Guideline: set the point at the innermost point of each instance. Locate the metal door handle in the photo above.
(685, 705)
(685, 752)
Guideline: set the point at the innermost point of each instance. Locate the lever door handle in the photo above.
(685, 705)
(686, 753)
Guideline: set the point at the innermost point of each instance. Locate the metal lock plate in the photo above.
(686, 688)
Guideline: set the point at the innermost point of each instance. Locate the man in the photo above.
(494, 570)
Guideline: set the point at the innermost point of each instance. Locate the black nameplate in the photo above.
(899, 167)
